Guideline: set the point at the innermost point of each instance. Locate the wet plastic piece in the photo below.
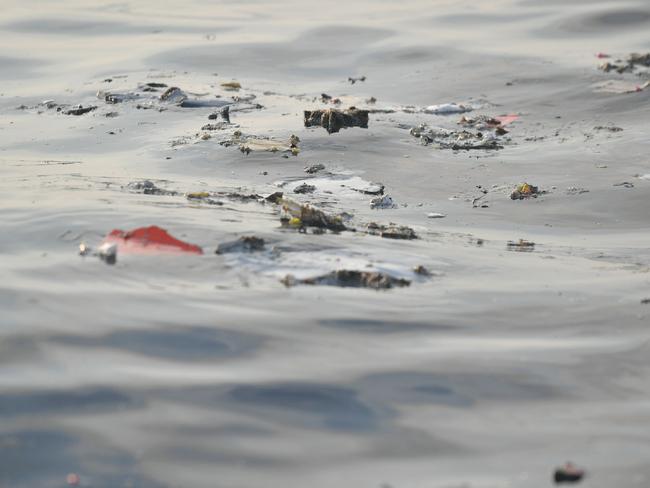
(298, 215)
(334, 120)
(243, 244)
(351, 279)
(150, 240)
(569, 473)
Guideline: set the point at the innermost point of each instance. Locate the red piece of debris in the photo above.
(507, 119)
(149, 240)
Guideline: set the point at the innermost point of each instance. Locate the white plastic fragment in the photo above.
(382, 202)
(436, 215)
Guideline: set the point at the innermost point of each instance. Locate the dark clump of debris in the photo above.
(202, 197)
(627, 65)
(457, 140)
(521, 245)
(525, 190)
(391, 231)
(334, 120)
(148, 187)
(304, 188)
(353, 80)
(351, 279)
(78, 110)
(295, 214)
(569, 473)
(243, 244)
(314, 168)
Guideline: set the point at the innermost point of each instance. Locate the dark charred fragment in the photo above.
(154, 84)
(353, 80)
(243, 244)
(569, 473)
(334, 120)
(148, 187)
(351, 279)
(79, 110)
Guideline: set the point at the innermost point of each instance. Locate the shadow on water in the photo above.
(89, 400)
(329, 406)
(179, 344)
(43, 458)
(382, 326)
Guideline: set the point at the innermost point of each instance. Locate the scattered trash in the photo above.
(382, 202)
(298, 215)
(149, 240)
(523, 191)
(304, 188)
(644, 177)
(354, 80)
(569, 473)
(351, 279)
(391, 231)
(520, 246)
(243, 244)
(645, 301)
(314, 168)
(79, 110)
(231, 85)
(217, 126)
(334, 120)
(619, 87)
(436, 215)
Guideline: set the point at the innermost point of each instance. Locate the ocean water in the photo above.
(205, 370)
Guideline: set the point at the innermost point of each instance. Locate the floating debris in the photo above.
(609, 128)
(107, 252)
(217, 126)
(243, 244)
(173, 95)
(524, 190)
(78, 110)
(447, 109)
(391, 231)
(301, 215)
(576, 190)
(353, 80)
(334, 120)
(458, 139)
(314, 168)
(421, 270)
(435, 215)
(382, 202)
(148, 187)
(304, 188)
(624, 184)
(520, 246)
(627, 65)
(351, 279)
(149, 240)
(569, 473)
(231, 85)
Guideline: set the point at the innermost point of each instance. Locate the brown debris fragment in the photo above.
(391, 231)
(334, 120)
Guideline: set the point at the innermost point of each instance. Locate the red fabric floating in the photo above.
(507, 119)
(149, 240)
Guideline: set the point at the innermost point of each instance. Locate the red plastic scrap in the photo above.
(150, 240)
(507, 119)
